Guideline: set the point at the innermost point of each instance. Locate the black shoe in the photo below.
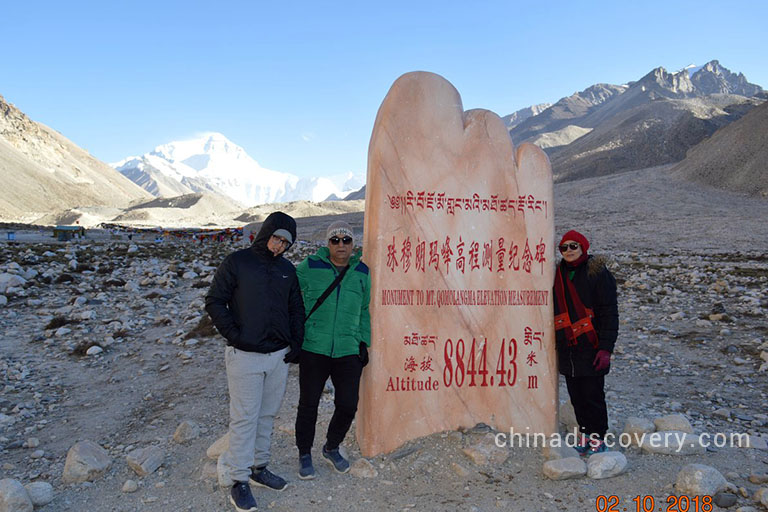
(266, 478)
(306, 469)
(334, 458)
(240, 496)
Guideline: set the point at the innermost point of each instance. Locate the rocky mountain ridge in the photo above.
(734, 157)
(652, 121)
(44, 171)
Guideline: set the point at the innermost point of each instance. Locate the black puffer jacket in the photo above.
(255, 300)
(596, 287)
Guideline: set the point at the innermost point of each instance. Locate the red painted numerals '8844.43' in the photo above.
(470, 364)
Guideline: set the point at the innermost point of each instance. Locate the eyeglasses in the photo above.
(572, 246)
(281, 240)
(335, 240)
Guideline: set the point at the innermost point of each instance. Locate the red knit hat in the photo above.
(576, 237)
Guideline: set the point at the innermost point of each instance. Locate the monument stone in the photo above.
(459, 234)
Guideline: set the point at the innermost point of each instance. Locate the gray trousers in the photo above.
(256, 389)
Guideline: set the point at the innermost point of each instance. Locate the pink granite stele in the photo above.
(459, 236)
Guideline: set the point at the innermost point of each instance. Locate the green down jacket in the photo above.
(342, 322)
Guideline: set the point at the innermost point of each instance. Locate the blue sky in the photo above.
(298, 83)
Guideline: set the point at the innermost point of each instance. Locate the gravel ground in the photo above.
(692, 267)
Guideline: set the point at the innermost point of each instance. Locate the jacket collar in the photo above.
(325, 254)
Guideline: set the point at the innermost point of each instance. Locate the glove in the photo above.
(602, 360)
(292, 356)
(363, 354)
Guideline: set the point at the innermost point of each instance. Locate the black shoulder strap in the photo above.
(327, 292)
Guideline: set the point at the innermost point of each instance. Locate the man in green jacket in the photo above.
(336, 339)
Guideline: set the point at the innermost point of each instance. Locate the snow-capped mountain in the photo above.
(213, 163)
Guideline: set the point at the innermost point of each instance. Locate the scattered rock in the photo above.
(563, 469)
(186, 431)
(606, 465)
(559, 452)
(218, 447)
(758, 443)
(699, 480)
(145, 460)
(93, 350)
(673, 422)
(636, 427)
(485, 451)
(724, 499)
(362, 468)
(209, 471)
(130, 486)
(86, 462)
(568, 416)
(14, 497)
(459, 470)
(761, 496)
(40, 493)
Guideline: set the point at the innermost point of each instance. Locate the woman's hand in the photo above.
(602, 360)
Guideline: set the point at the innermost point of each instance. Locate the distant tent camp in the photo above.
(64, 233)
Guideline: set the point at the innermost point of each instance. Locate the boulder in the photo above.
(485, 451)
(40, 493)
(86, 462)
(563, 469)
(700, 480)
(14, 497)
(673, 422)
(606, 465)
(144, 461)
(636, 427)
(218, 447)
(568, 416)
(186, 431)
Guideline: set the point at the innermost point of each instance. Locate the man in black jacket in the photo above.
(255, 303)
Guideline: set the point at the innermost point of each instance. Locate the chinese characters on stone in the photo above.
(493, 255)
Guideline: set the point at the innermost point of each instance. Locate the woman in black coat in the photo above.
(586, 326)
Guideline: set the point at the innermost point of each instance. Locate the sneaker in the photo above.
(335, 459)
(596, 446)
(240, 496)
(306, 469)
(266, 478)
(583, 446)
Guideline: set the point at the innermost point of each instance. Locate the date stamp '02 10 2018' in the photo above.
(648, 504)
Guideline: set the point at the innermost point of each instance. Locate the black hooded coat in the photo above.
(255, 300)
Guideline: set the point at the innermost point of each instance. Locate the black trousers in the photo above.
(588, 399)
(314, 370)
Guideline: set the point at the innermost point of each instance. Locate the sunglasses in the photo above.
(335, 240)
(572, 246)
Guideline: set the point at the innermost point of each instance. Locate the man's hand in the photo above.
(292, 356)
(363, 353)
(602, 360)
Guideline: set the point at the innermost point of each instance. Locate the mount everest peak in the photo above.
(213, 163)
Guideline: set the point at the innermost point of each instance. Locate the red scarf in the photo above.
(583, 323)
